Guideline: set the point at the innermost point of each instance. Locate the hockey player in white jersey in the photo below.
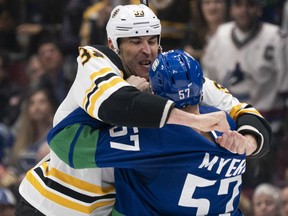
(99, 88)
(253, 66)
(253, 62)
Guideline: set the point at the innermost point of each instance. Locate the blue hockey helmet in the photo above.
(177, 76)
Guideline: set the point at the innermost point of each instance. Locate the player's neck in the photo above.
(195, 110)
(192, 109)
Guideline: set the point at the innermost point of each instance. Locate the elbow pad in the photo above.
(260, 128)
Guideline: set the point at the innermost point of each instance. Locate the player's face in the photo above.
(137, 54)
(265, 205)
(246, 14)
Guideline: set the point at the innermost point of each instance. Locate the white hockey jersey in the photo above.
(254, 70)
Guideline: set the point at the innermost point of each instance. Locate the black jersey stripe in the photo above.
(50, 183)
(96, 87)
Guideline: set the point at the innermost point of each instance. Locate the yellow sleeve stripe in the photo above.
(235, 110)
(98, 73)
(240, 109)
(113, 82)
(75, 182)
(61, 200)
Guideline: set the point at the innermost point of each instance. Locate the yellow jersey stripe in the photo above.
(75, 182)
(234, 110)
(113, 82)
(245, 111)
(100, 72)
(92, 77)
(61, 200)
(240, 109)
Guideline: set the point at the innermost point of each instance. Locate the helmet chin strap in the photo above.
(160, 50)
(116, 51)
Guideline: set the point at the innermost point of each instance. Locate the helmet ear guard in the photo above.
(132, 21)
(177, 76)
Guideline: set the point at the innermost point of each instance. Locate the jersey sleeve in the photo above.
(106, 96)
(247, 118)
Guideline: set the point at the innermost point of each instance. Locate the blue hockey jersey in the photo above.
(169, 171)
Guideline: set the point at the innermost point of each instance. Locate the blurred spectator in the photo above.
(284, 27)
(38, 19)
(34, 123)
(284, 201)
(95, 18)
(245, 204)
(174, 16)
(7, 202)
(10, 93)
(272, 11)
(285, 17)
(8, 22)
(72, 19)
(43, 150)
(7, 177)
(6, 142)
(208, 16)
(34, 70)
(266, 200)
(58, 74)
(248, 57)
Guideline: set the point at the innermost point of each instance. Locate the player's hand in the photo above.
(140, 83)
(237, 143)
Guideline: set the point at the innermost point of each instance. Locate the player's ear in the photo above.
(110, 44)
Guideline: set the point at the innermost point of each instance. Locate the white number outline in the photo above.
(203, 205)
(122, 132)
(185, 93)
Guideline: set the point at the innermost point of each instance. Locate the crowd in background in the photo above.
(39, 43)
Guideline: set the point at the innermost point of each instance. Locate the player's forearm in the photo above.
(132, 108)
(204, 122)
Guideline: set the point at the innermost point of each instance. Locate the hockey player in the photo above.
(174, 170)
(254, 64)
(253, 67)
(99, 89)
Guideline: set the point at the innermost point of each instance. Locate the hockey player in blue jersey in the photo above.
(186, 173)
